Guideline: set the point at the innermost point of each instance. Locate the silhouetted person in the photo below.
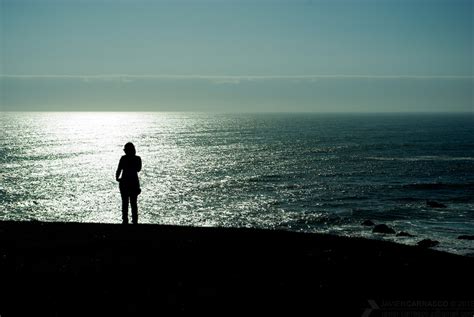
(129, 165)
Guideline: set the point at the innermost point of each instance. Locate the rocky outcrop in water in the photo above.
(368, 223)
(427, 243)
(466, 237)
(404, 234)
(435, 204)
(382, 228)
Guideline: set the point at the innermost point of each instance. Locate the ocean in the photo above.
(301, 172)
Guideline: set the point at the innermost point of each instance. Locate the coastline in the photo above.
(103, 269)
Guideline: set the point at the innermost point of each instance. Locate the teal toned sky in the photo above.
(224, 55)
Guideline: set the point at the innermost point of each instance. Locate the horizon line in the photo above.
(253, 112)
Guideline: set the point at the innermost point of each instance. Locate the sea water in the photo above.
(301, 172)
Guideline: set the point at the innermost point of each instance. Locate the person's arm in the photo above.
(139, 164)
(119, 170)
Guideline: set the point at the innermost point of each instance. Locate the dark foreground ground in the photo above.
(73, 269)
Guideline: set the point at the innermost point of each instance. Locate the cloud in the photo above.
(228, 81)
(235, 79)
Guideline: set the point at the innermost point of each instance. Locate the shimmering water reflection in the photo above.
(299, 172)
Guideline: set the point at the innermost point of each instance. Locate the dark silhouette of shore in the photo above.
(74, 269)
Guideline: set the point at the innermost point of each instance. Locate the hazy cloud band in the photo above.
(231, 78)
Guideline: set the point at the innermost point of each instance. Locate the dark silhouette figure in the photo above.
(129, 166)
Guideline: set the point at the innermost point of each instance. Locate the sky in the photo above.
(237, 55)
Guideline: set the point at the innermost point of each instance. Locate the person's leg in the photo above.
(124, 208)
(133, 203)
